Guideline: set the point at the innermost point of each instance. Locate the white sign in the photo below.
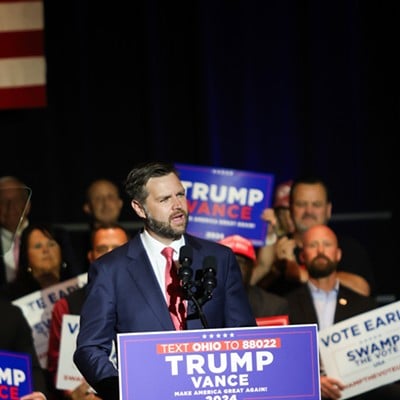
(37, 308)
(363, 351)
(68, 375)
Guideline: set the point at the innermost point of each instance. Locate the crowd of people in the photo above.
(302, 271)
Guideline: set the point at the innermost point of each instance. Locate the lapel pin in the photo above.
(342, 301)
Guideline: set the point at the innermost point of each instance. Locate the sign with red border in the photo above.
(220, 364)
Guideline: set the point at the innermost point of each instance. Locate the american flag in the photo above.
(22, 59)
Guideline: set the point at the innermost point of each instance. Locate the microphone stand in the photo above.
(199, 309)
(198, 291)
(203, 286)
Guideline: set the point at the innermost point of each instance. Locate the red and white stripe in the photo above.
(22, 60)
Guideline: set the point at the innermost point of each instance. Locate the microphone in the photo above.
(199, 291)
(185, 272)
(209, 275)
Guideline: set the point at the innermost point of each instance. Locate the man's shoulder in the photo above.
(201, 243)
(350, 293)
(300, 291)
(354, 303)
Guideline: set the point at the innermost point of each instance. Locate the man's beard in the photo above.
(317, 270)
(165, 229)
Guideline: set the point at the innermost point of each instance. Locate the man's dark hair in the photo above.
(106, 225)
(136, 181)
(309, 180)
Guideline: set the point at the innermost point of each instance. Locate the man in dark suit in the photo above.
(324, 301)
(126, 287)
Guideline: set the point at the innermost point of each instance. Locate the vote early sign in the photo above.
(363, 351)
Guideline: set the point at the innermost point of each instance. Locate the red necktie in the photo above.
(174, 291)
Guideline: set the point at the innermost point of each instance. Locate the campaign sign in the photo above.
(15, 375)
(68, 375)
(220, 364)
(224, 202)
(37, 308)
(363, 351)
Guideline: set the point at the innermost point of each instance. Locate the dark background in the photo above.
(282, 87)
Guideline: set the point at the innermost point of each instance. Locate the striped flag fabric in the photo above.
(22, 58)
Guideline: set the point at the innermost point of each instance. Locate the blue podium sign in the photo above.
(15, 375)
(220, 364)
(225, 202)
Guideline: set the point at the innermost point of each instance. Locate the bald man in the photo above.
(324, 301)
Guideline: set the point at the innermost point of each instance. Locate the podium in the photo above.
(220, 364)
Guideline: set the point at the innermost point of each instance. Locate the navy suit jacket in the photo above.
(349, 304)
(123, 295)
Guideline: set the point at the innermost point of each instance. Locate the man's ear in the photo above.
(338, 254)
(301, 256)
(137, 207)
(86, 209)
(329, 207)
(90, 256)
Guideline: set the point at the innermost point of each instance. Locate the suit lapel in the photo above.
(141, 272)
(306, 302)
(342, 306)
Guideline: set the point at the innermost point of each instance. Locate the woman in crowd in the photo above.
(41, 262)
